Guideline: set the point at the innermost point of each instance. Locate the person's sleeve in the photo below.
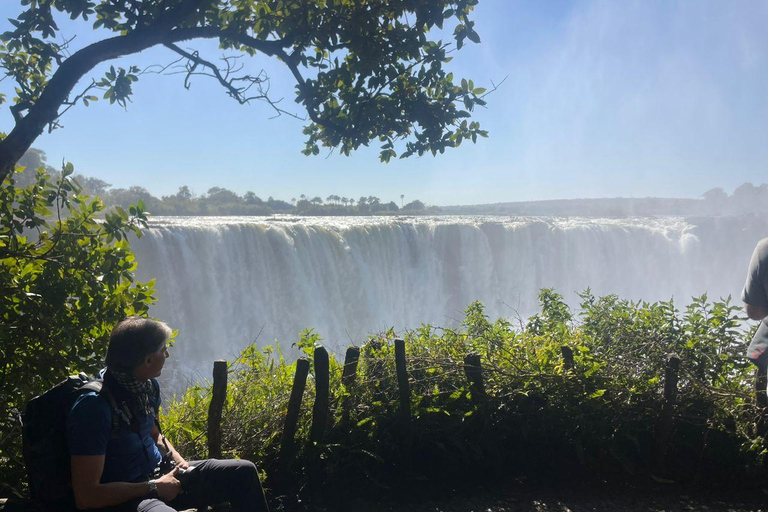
(89, 426)
(755, 291)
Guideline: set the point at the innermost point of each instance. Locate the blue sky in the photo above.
(603, 99)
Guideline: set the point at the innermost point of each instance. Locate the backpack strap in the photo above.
(124, 413)
(117, 413)
(156, 389)
(93, 385)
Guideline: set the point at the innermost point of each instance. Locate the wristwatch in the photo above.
(152, 489)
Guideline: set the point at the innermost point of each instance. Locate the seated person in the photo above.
(115, 440)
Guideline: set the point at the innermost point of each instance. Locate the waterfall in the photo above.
(226, 282)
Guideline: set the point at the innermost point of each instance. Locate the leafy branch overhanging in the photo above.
(364, 70)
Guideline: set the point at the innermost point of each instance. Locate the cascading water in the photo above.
(224, 282)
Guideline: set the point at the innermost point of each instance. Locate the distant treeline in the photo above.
(746, 199)
(221, 201)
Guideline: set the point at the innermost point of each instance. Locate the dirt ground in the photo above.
(528, 498)
(574, 499)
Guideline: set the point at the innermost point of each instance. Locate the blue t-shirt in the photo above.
(129, 456)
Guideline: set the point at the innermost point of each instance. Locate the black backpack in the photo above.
(44, 439)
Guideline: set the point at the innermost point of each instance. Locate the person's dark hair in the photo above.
(132, 340)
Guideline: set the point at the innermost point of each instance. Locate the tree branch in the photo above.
(293, 66)
(195, 58)
(228, 82)
(46, 108)
(70, 104)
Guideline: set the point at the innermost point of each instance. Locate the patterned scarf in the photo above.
(141, 391)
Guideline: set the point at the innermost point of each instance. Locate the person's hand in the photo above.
(168, 487)
(180, 462)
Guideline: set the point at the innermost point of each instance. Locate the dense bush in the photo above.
(539, 419)
(66, 279)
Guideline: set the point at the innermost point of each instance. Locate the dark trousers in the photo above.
(212, 482)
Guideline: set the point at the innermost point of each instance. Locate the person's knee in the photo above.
(251, 469)
(154, 505)
(246, 470)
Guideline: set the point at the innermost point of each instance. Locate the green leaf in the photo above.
(364, 421)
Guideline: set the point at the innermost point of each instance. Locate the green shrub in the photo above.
(66, 279)
(538, 419)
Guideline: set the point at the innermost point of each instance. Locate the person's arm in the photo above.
(162, 442)
(91, 493)
(756, 312)
(755, 294)
(165, 446)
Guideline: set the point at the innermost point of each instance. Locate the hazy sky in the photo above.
(603, 98)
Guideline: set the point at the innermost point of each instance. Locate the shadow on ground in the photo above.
(521, 498)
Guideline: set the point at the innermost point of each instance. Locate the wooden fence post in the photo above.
(348, 379)
(402, 381)
(322, 395)
(350, 366)
(567, 357)
(375, 364)
(287, 443)
(474, 371)
(761, 400)
(404, 387)
(219, 396)
(320, 412)
(664, 431)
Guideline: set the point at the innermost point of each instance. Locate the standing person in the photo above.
(755, 297)
(115, 441)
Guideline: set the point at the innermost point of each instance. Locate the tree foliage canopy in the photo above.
(365, 70)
